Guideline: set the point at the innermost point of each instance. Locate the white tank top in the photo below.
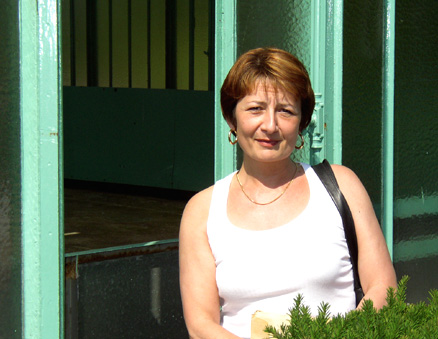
(265, 270)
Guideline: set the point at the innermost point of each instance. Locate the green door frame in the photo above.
(41, 138)
(387, 211)
(326, 75)
(41, 177)
(225, 160)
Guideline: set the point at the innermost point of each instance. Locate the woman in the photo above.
(263, 235)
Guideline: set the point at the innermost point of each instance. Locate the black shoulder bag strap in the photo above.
(326, 175)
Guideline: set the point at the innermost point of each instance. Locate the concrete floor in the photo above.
(98, 216)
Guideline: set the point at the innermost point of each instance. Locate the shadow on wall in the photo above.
(124, 293)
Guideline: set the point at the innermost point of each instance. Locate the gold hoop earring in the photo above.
(302, 142)
(230, 133)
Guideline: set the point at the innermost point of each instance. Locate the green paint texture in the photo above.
(39, 105)
(225, 55)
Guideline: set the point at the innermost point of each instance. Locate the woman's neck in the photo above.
(269, 174)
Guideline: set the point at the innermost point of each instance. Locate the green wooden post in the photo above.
(225, 55)
(42, 232)
(333, 90)
(317, 74)
(387, 213)
(326, 75)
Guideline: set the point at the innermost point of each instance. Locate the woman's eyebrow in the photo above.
(286, 104)
(258, 102)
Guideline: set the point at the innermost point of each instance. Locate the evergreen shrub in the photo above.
(397, 319)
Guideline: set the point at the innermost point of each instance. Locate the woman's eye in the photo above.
(287, 111)
(255, 108)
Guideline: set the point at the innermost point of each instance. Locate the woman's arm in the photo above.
(198, 272)
(376, 271)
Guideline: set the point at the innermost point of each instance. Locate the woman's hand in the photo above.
(198, 272)
(376, 271)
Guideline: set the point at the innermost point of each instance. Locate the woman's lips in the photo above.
(267, 142)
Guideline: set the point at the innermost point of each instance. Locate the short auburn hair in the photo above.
(277, 67)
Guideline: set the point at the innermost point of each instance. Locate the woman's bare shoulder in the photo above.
(200, 200)
(346, 178)
(193, 227)
(198, 206)
(353, 190)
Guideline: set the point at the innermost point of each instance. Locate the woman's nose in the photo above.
(269, 121)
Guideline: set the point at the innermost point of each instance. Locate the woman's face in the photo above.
(267, 123)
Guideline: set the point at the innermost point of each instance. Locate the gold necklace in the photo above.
(270, 202)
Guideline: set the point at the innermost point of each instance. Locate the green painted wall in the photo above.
(158, 138)
(10, 168)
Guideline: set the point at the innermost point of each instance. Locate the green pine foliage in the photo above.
(395, 320)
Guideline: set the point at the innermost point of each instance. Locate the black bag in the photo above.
(326, 175)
